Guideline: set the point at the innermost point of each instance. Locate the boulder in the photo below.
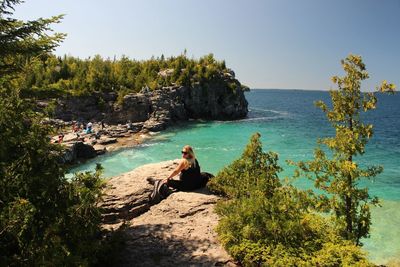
(77, 150)
(106, 140)
(135, 127)
(84, 151)
(127, 195)
(100, 149)
(154, 125)
(69, 153)
(166, 72)
(70, 137)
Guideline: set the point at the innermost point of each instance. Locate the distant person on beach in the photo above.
(60, 138)
(129, 125)
(89, 127)
(75, 127)
(188, 169)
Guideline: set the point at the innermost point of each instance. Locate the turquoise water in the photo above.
(290, 125)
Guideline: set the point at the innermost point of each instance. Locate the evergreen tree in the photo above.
(48, 76)
(340, 175)
(255, 169)
(45, 220)
(19, 39)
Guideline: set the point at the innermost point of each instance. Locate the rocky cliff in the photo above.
(179, 231)
(221, 98)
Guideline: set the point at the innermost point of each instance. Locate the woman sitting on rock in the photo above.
(190, 177)
(188, 169)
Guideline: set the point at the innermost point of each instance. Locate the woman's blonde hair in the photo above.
(191, 160)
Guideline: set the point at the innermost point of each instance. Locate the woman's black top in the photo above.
(192, 174)
(189, 179)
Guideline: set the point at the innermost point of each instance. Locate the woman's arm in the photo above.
(177, 170)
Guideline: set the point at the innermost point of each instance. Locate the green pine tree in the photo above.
(20, 40)
(339, 175)
(45, 219)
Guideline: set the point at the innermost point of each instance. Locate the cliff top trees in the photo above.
(70, 75)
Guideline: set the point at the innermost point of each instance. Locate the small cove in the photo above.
(290, 125)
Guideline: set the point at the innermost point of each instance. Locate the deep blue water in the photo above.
(289, 124)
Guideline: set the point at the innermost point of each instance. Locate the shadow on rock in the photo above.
(178, 231)
(153, 245)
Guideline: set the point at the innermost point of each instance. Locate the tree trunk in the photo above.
(348, 199)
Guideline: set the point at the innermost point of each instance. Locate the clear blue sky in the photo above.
(269, 44)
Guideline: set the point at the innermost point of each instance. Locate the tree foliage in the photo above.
(49, 76)
(18, 39)
(267, 223)
(340, 175)
(45, 220)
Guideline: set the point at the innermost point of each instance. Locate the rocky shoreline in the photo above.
(79, 145)
(179, 231)
(128, 121)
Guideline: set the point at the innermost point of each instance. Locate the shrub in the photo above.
(44, 218)
(265, 222)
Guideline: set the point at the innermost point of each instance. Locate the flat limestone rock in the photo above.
(127, 195)
(106, 141)
(179, 231)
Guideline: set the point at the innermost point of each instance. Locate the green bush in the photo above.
(267, 223)
(44, 218)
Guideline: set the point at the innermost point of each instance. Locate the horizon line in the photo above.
(304, 89)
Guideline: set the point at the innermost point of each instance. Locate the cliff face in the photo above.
(215, 101)
(220, 99)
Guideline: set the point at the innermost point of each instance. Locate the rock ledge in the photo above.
(179, 231)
